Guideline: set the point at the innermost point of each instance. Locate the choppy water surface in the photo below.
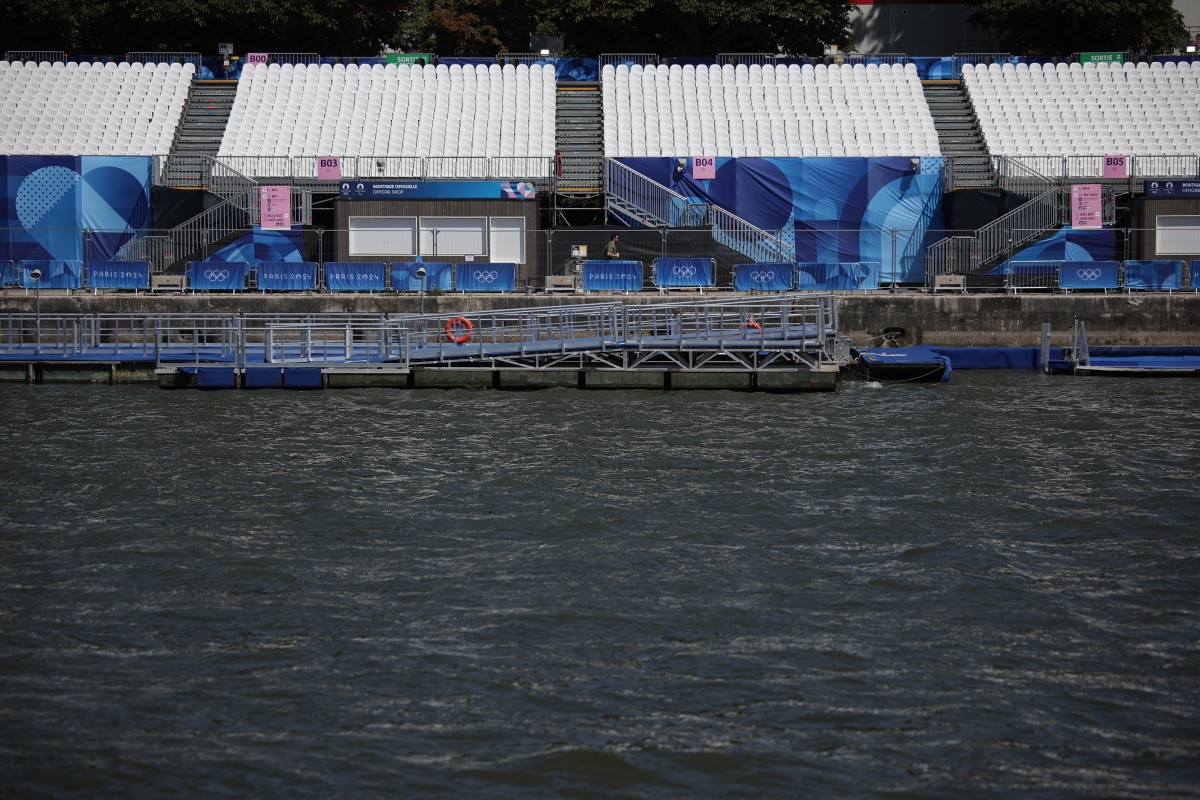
(986, 589)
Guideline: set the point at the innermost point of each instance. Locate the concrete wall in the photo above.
(952, 320)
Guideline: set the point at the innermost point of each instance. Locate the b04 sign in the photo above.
(704, 168)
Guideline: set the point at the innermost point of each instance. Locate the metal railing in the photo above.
(745, 58)
(627, 58)
(185, 57)
(1050, 167)
(646, 202)
(525, 58)
(37, 56)
(959, 60)
(999, 237)
(293, 58)
(806, 323)
(869, 58)
(365, 167)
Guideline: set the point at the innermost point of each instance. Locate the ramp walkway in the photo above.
(794, 333)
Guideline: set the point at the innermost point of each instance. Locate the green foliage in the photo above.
(446, 27)
(1042, 27)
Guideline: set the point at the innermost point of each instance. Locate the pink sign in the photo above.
(256, 58)
(1087, 209)
(1116, 166)
(275, 208)
(704, 168)
(329, 168)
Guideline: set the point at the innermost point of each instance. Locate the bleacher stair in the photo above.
(959, 135)
(199, 135)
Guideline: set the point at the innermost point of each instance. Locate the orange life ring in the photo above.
(458, 323)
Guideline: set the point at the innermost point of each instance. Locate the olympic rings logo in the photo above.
(1089, 274)
(486, 277)
(762, 277)
(683, 272)
(216, 275)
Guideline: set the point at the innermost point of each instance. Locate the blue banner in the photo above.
(1162, 188)
(438, 275)
(769, 276)
(119, 274)
(56, 274)
(1195, 275)
(612, 276)
(287, 276)
(885, 209)
(9, 276)
(437, 190)
(683, 272)
(1089, 275)
(828, 277)
(355, 276)
(867, 274)
(1153, 275)
(217, 276)
(50, 200)
(485, 276)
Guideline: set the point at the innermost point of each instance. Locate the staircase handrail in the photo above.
(1014, 174)
(661, 206)
(958, 254)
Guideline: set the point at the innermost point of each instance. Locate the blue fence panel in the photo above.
(485, 276)
(1089, 275)
(56, 274)
(771, 276)
(8, 277)
(826, 276)
(287, 276)
(1154, 275)
(438, 275)
(612, 276)
(1195, 275)
(119, 274)
(683, 272)
(867, 274)
(217, 276)
(355, 276)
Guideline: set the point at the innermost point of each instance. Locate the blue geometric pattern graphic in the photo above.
(49, 201)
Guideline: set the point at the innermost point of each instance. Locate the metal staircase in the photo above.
(959, 136)
(198, 138)
(579, 142)
(640, 201)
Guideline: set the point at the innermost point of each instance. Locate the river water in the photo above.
(989, 588)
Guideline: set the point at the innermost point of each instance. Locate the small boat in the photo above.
(917, 364)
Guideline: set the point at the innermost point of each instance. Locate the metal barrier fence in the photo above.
(166, 58)
(628, 58)
(390, 167)
(906, 259)
(37, 56)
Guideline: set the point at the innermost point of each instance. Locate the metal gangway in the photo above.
(748, 333)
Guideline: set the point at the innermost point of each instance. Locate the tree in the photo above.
(592, 27)
(1044, 27)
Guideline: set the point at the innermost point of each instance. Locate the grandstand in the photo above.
(91, 109)
(789, 111)
(451, 119)
(1046, 112)
(841, 160)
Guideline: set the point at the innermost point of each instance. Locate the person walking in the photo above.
(611, 252)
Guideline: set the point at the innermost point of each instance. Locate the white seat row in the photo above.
(465, 113)
(755, 110)
(1087, 109)
(91, 109)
